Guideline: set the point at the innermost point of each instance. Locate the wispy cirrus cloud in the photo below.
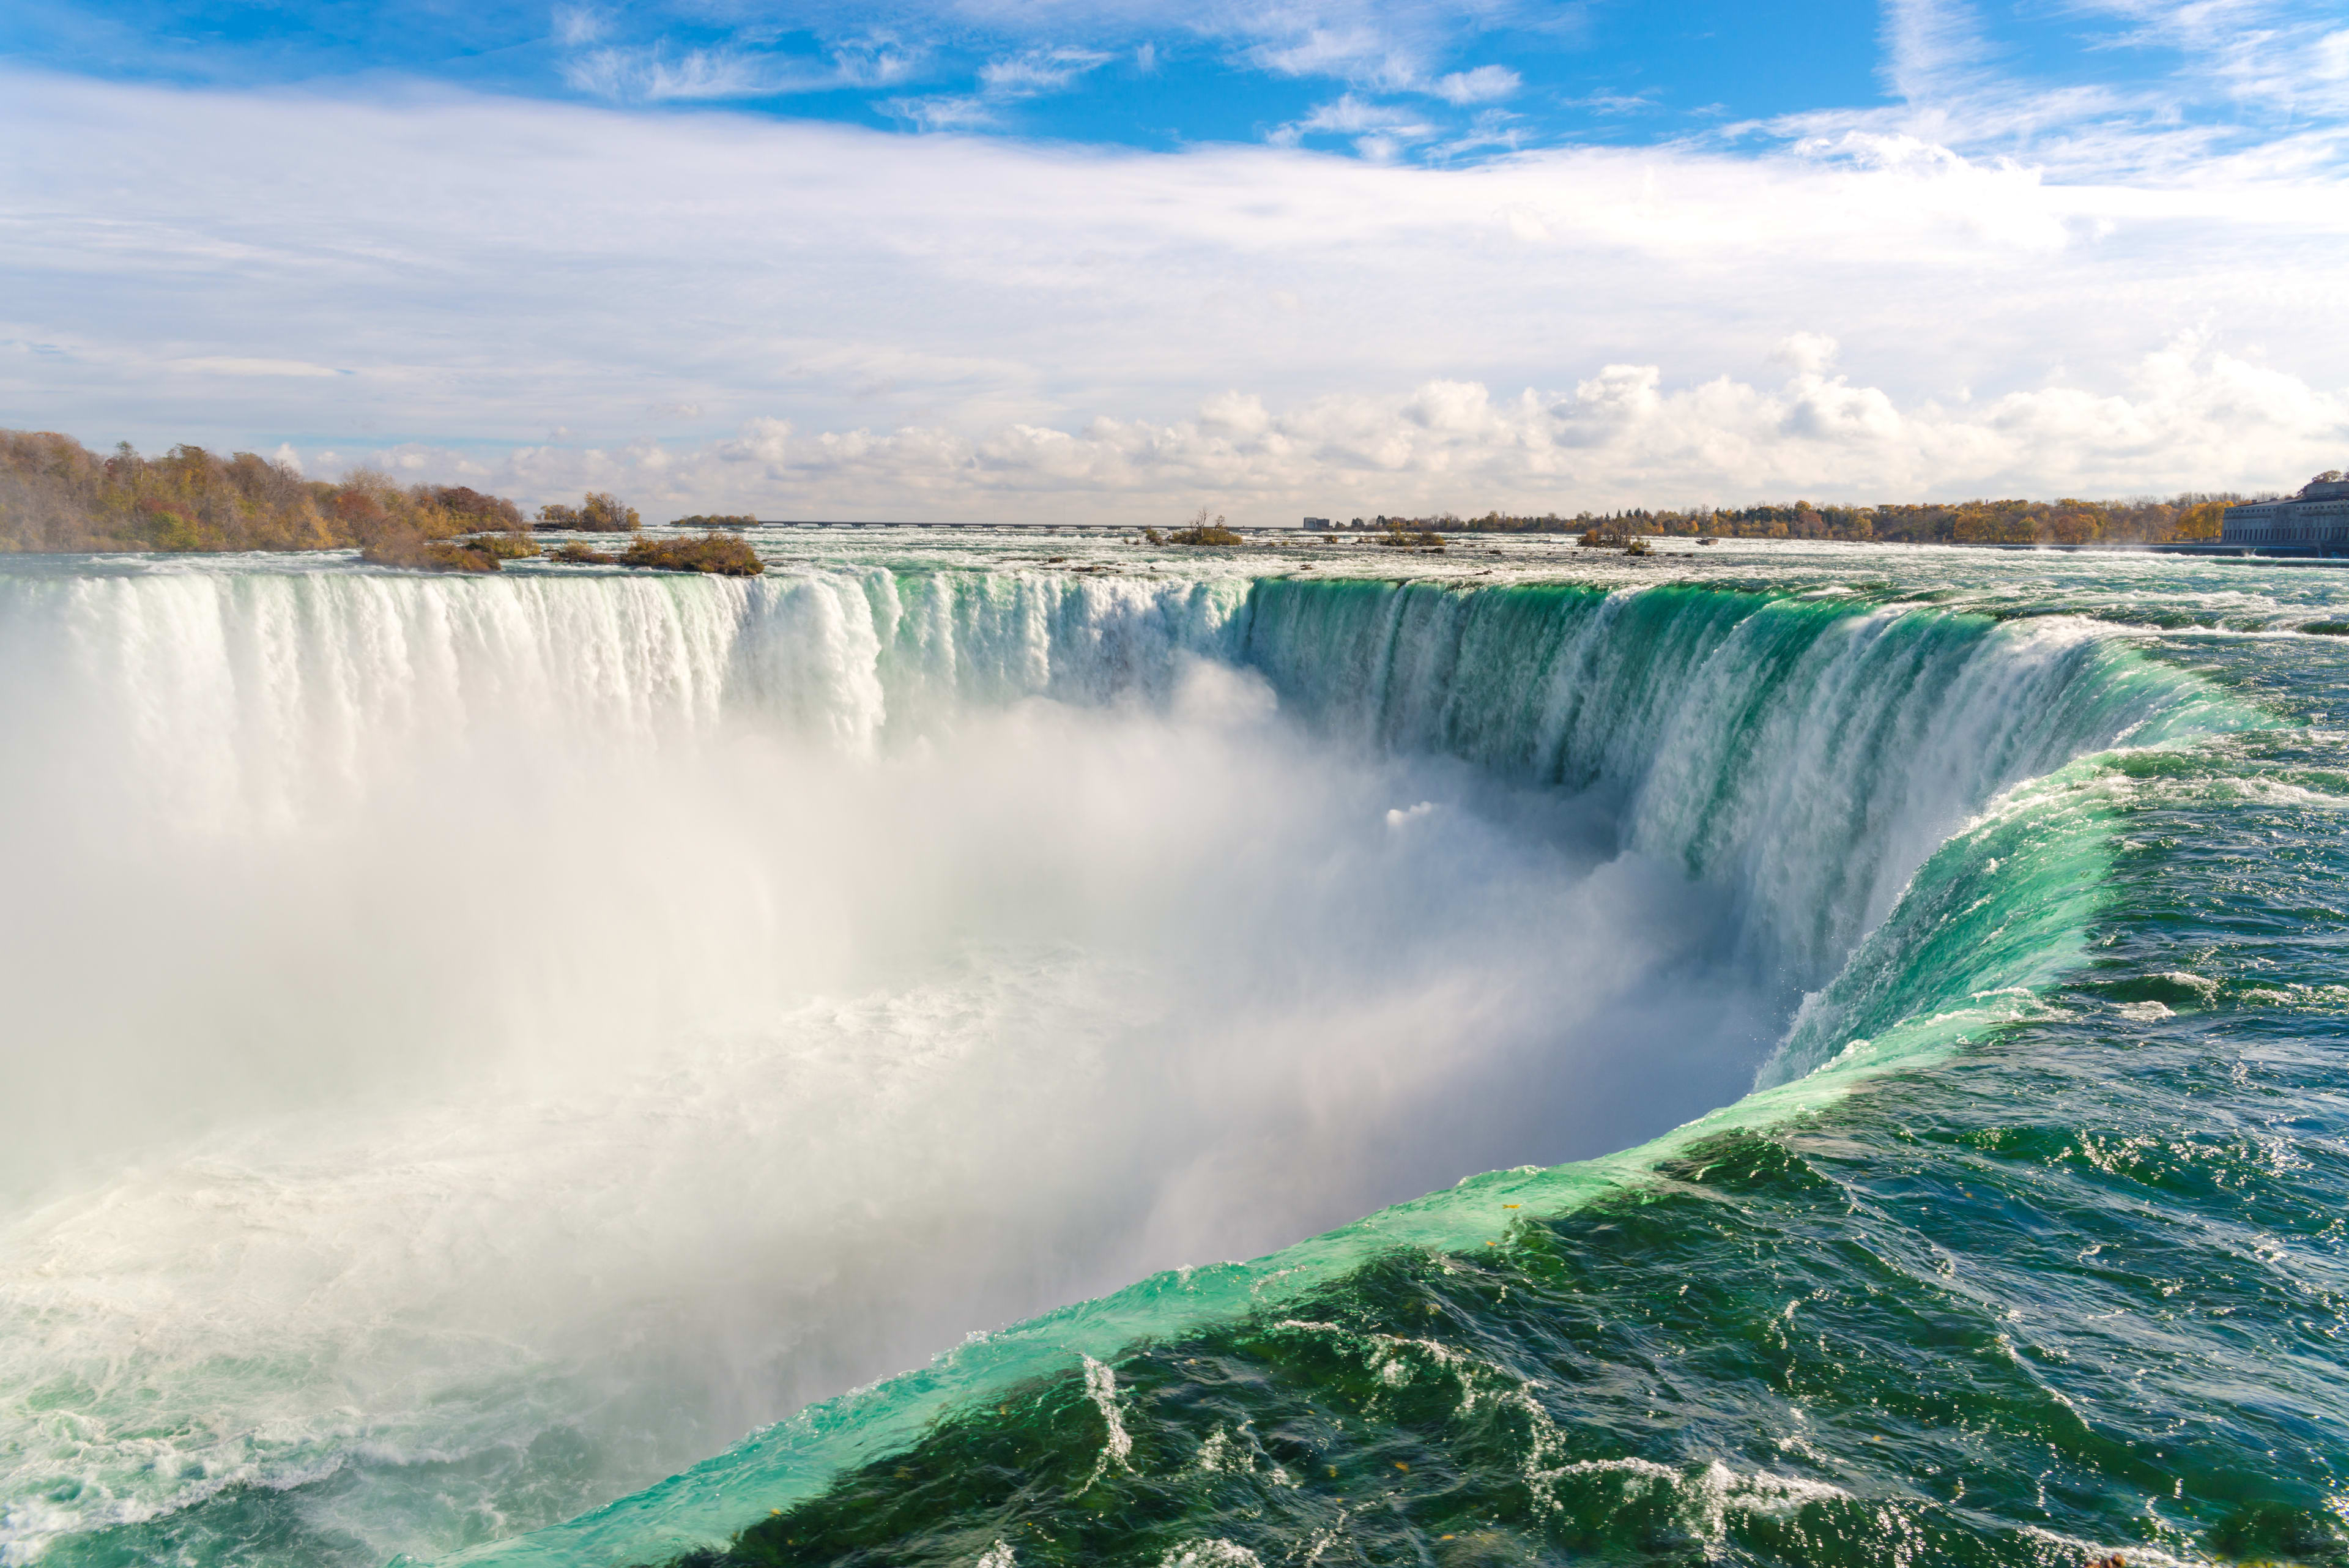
(1034, 73)
(1485, 83)
(1615, 103)
(576, 26)
(1037, 71)
(946, 111)
(1364, 55)
(655, 73)
(1378, 130)
(2177, 85)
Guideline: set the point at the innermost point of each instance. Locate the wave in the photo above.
(1590, 805)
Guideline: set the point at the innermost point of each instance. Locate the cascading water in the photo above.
(1807, 753)
(500, 1041)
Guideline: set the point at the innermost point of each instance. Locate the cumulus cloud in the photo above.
(1808, 352)
(2186, 416)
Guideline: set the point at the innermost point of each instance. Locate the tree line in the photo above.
(56, 495)
(2177, 519)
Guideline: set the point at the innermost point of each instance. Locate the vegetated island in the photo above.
(725, 554)
(1205, 532)
(58, 497)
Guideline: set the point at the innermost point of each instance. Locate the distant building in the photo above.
(1316, 524)
(2315, 519)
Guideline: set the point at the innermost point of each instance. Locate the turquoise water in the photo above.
(2014, 1236)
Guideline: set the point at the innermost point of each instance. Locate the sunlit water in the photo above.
(477, 1048)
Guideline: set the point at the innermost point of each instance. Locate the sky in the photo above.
(970, 260)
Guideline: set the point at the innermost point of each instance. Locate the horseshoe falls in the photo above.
(1777, 1053)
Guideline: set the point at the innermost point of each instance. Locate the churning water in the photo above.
(477, 1049)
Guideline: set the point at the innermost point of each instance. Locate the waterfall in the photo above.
(501, 1039)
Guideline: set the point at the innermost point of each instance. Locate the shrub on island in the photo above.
(1609, 539)
(599, 512)
(1201, 531)
(726, 555)
(723, 555)
(511, 545)
(1398, 537)
(403, 548)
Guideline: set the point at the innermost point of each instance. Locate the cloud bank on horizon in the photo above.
(973, 260)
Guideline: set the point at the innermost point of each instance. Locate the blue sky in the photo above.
(1475, 78)
(972, 258)
(1429, 82)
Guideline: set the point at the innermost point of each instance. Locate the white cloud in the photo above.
(230, 365)
(875, 62)
(1378, 128)
(657, 73)
(1001, 82)
(1931, 46)
(1808, 352)
(654, 74)
(2259, 83)
(1357, 53)
(944, 111)
(1038, 71)
(1615, 103)
(2186, 417)
(1485, 83)
(989, 327)
(576, 25)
